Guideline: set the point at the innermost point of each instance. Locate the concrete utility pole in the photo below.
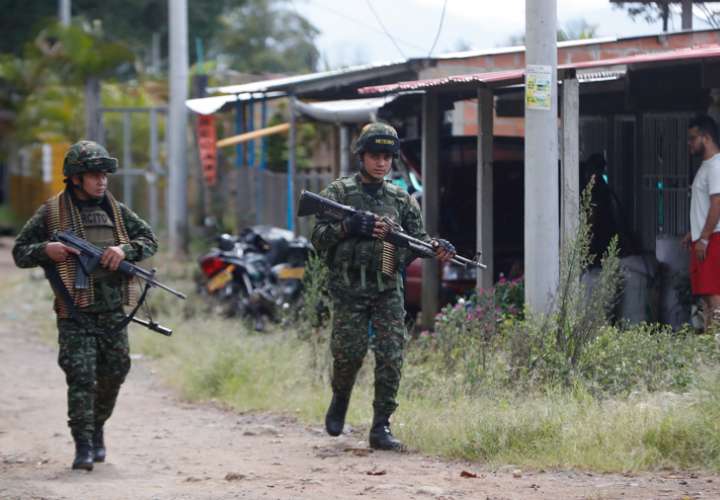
(64, 12)
(177, 122)
(542, 232)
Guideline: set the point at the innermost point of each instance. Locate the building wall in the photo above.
(465, 116)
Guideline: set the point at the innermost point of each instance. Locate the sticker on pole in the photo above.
(538, 82)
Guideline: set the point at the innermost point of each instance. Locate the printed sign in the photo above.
(538, 84)
(207, 147)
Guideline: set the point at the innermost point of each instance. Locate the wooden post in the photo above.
(430, 204)
(485, 192)
(570, 165)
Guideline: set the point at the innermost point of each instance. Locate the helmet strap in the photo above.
(80, 189)
(364, 174)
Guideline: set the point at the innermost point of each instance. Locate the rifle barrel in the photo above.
(166, 288)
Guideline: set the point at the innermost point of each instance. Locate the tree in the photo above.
(134, 21)
(262, 36)
(276, 37)
(663, 10)
(650, 12)
(43, 85)
(577, 29)
(21, 21)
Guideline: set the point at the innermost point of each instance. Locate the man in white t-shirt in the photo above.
(703, 241)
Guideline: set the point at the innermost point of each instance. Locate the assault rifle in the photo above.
(89, 259)
(314, 204)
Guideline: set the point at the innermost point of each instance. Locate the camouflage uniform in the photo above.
(362, 293)
(94, 358)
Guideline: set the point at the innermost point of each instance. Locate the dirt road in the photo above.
(162, 448)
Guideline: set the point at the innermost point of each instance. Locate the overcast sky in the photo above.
(351, 34)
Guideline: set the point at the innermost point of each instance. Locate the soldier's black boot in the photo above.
(83, 453)
(381, 437)
(98, 442)
(335, 416)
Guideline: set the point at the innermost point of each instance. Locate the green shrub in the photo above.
(646, 357)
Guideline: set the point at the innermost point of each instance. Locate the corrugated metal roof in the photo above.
(209, 105)
(503, 77)
(287, 83)
(467, 54)
(345, 110)
(511, 77)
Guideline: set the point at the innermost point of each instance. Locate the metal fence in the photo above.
(262, 197)
(665, 174)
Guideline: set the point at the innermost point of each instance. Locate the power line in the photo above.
(372, 9)
(362, 23)
(440, 25)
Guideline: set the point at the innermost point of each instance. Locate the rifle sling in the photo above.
(52, 275)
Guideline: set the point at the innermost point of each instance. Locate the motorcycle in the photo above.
(256, 275)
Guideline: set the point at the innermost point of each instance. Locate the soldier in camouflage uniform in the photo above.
(365, 282)
(93, 351)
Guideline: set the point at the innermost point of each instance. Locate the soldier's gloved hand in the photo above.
(444, 250)
(359, 224)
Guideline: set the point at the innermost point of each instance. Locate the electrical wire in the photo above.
(377, 17)
(440, 26)
(361, 23)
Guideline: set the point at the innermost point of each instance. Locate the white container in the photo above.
(674, 274)
(638, 301)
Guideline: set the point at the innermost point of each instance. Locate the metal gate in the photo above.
(665, 173)
(143, 126)
(267, 198)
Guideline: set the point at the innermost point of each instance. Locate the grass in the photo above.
(221, 360)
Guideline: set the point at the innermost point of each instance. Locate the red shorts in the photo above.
(705, 275)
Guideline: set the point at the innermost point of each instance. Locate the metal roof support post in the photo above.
(485, 192)
(252, 174)
(542, 230)
(263, 141)
(430, 204)
(260, 173)
(344, 149)
(242, 200)
(239, 129)
(250, 128)
(570, 165)
(291, 165)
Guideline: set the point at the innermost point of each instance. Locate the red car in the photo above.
(458, 159)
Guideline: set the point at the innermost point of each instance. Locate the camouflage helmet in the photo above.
(377, 137)
(88, 156)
